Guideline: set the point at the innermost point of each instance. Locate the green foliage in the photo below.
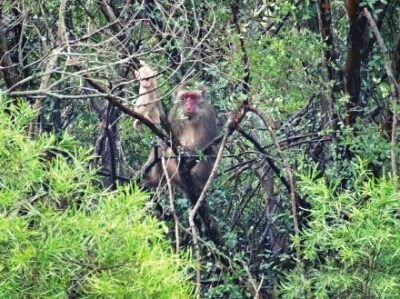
(228, 287)
(279, 72)
(370, 4)
(61, 236)
(351, 246)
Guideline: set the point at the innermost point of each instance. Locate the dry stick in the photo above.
(196, 208)
(171, 202)
(394, 89)
(255, 288)
(292, 188)
(260, 284)
(289, 177)
(37, 106)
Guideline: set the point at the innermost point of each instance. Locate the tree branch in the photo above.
(394, 90)
(197, 207)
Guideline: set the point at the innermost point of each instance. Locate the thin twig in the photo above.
(289, 175)
(252, 283)
(394, 89)
(34, 128)
(196, 208)
(245, 57)
(171, 203)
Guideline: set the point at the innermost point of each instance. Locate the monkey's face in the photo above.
(190, 101)
(145, 83)
(146, 76)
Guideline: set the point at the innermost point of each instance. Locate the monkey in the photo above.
(161, 149)
(193, 125)
(149, 102)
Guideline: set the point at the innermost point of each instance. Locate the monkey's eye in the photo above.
(190, 96)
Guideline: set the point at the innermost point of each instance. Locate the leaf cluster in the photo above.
(62, 236)
(350, 247)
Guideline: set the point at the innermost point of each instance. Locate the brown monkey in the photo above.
(193, 125)
(156, 175)
(149, 102)
(192, 122)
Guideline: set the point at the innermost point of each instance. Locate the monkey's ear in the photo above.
(204, 92)
(175, 95)
(142, 63)
(137, 74)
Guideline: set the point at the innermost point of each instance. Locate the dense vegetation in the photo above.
(305, 200)
(62, 236)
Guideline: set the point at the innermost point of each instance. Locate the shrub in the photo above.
(62, 236)
(351, 246)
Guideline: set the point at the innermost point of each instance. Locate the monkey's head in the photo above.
(146, 76)
(190, 98)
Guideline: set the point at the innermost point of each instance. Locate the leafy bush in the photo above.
(351, 247)
(62, 236)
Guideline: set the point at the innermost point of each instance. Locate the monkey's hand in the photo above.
(184, 155)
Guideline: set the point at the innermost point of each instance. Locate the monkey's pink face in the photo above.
(147, 77)
(191, 102)
(145, 83)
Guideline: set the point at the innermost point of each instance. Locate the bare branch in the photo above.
(394, 90)
(195, 209)
(289, 175)
(37, 106)
(171, 203)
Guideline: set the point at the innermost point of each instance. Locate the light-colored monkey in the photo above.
(149, 102)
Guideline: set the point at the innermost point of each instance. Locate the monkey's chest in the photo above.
(189, 140)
